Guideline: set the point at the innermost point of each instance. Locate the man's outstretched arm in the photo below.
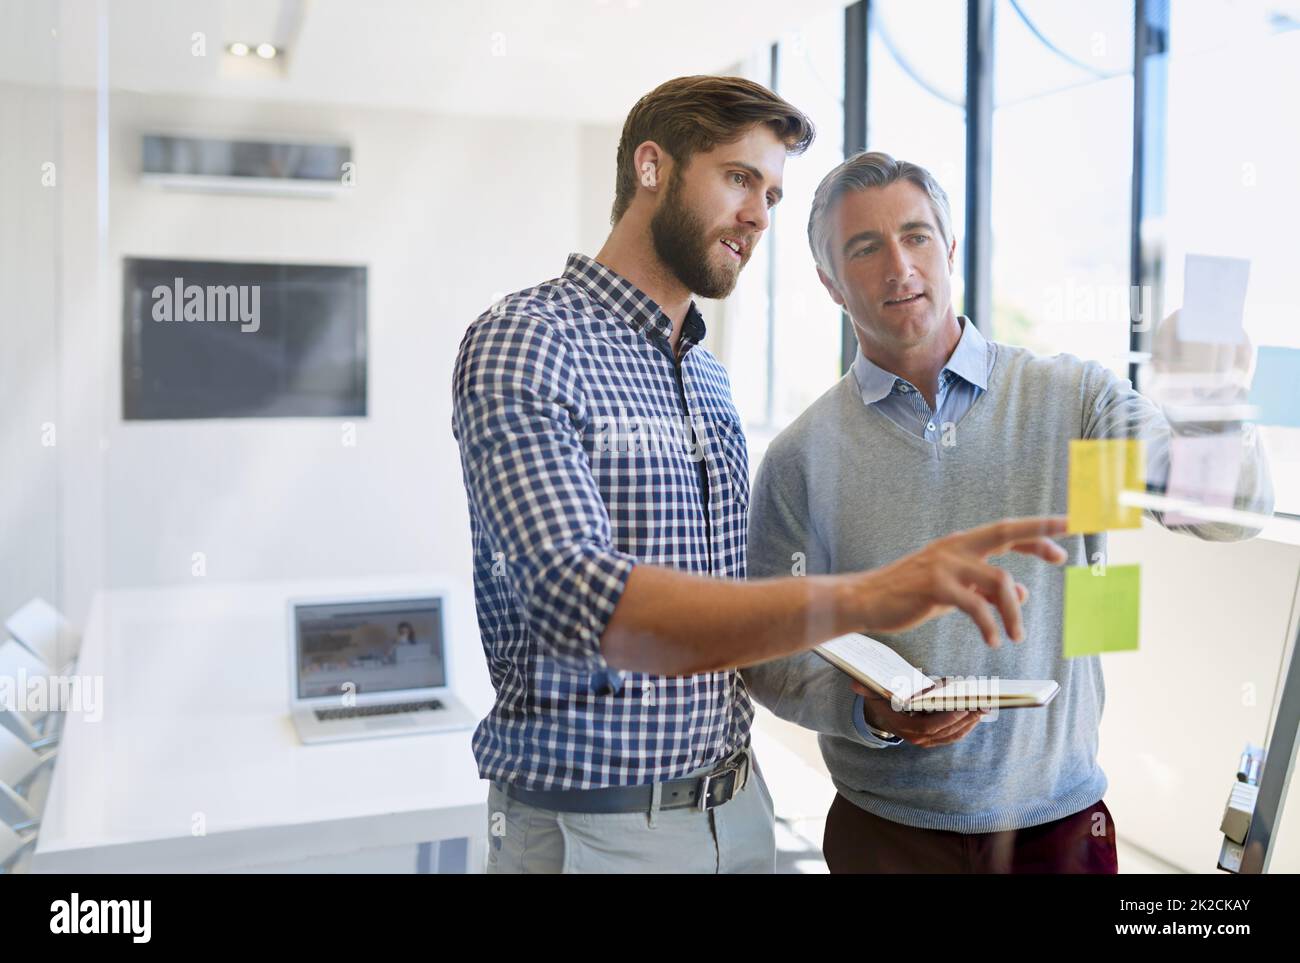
(673, 623)
(516, 408)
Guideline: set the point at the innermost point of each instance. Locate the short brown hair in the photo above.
(698, 113)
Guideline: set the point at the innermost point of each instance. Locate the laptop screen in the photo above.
(369, 647)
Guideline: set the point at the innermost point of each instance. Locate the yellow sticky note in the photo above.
(1099, 470)
(1101, 609)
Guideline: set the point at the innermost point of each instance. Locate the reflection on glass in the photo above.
(1062, 169)
(1230, 182)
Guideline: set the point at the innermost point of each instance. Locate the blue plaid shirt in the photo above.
(587, 448)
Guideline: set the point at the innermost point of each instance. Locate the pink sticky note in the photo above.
(1203, 469)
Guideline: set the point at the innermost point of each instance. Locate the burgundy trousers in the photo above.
(858, 842)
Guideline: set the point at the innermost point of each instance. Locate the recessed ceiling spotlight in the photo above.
(238, 49)
(266, 50)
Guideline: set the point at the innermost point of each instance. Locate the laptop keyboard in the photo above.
(358, 712)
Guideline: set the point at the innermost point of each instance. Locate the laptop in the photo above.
(370, 666)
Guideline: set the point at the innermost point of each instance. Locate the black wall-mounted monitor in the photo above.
(220, 339)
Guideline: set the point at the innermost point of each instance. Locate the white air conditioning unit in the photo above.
(296, 167)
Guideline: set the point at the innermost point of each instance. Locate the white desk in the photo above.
(195, 766)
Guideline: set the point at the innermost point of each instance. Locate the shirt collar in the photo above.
(628, 302)
(969, 361)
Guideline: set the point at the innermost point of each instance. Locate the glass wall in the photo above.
(782, 329)
(32, 178)
(1059, 183)
(1230, 181)
(1062, 166)
(810, 74)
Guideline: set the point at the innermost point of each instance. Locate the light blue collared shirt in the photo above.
(963, 379)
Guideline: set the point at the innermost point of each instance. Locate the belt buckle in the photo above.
(702, 804)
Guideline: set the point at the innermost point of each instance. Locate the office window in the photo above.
(916, 98)
(782, 340)
(1230, 181)
(805, 353)
(741, 332)
(1061, 182)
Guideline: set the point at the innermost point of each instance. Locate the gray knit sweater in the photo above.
(844, 489)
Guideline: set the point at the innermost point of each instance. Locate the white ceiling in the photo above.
(582, 60)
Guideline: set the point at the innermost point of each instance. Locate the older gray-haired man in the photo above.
(936, 429)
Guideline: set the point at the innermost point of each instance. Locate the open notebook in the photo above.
(885, 672)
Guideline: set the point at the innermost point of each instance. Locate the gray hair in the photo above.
(857, 173)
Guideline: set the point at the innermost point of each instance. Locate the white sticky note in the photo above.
(1214, 296)
(1203, 469)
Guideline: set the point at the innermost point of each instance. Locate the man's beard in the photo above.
(681, 241)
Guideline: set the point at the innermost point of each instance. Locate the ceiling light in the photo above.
(238, 49)
(266, 50)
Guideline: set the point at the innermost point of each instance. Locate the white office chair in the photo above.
(24, 783)
(14, 848)
(43, 630)
(16, 812)
(16, 658)
(25, 778)
(18, 725)
(19, 763)
(25, 731)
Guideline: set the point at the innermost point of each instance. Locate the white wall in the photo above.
(29, 362)
(445, 214)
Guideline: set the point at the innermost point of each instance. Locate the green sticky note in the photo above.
(1101, 610)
